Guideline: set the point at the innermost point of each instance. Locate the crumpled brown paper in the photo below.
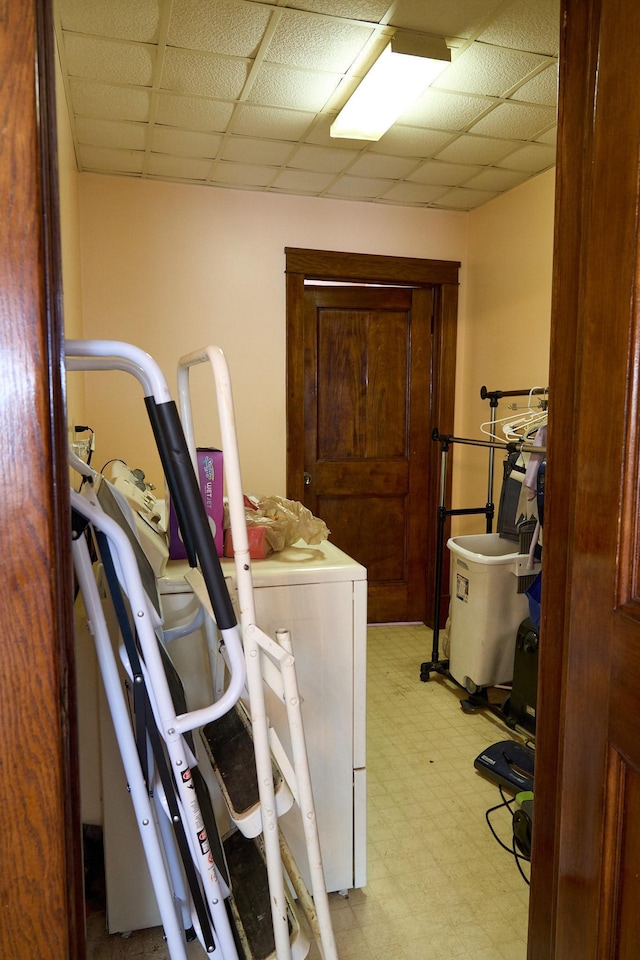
(286, 521)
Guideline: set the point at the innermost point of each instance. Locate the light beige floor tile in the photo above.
(439, 885)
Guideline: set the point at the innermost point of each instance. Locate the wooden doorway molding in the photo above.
(441, 278)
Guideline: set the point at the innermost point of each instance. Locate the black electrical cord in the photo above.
(506, 805)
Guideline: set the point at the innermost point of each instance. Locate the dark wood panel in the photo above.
(587, 644)
(372, 268)
(362, 404)
(40, 880)
(371, 476)
(627, 884)
(372, 531)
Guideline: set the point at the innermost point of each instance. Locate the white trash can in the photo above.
(485, 610)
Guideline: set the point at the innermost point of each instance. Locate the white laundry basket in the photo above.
(485, 610)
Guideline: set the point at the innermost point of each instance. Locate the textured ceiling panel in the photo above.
(377, 165)
(179, 168)
(188, 71)
(489, 70)
(102, 102)
(185, 143)
(301, 40)
(242, 94)
(440, 172)
(534, 158)
(272, 122)
(246, 150)
(111, 61)
(371, 10)
(446, 111)
(543, 88)
(476, 150)
(193, 113)
(447, 18)
(278, 86)
(115, 161)
(111, 133)
(527, 25)
(219, 26)
(515, 121)
(117, 18)
(319, 158)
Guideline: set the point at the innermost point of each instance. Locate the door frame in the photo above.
(42, 875)
(442, 276)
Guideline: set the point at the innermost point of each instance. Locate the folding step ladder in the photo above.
(199, 881)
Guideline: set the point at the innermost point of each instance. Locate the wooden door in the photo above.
(370, 373)
(41, 906)
(586, 846)
(367, 434)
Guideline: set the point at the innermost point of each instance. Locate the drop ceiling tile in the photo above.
(487, 70)
(443, 18)
(527, 26)
(378, 165)
(304, 40)
(111, 61)
(193, 113)
(515, 121)
(414, 193)
(549, 136)
(189, 71)
(460, 198)
(533, 158)
(108, 102)
(370, 10)
(271, 122)
(302, 181)
(185, 143)
(359, 187)
(250, 151)
(110, 161)
(242, 174)
(542, 89)
(111, 133)
(278, 86)
(120, 19)
(438, 172)
(408, 141)
(322, 159)
(219, 26)
(494, 179)
(445, 111)
(470, 149)
(177, 168)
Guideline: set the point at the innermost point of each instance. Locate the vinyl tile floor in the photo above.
(439, 885)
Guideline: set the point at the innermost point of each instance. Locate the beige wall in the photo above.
(68, 179)
(505, 327)
(172, 267)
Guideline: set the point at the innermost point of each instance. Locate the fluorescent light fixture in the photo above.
(402, 72)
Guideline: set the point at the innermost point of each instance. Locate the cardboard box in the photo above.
(210, 477)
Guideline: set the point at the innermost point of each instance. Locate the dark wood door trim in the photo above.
(571, 882)
(41, 883)
(442, 275)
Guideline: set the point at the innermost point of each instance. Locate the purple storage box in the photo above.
(211, 487)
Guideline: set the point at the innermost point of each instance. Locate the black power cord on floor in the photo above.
(506, 805)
